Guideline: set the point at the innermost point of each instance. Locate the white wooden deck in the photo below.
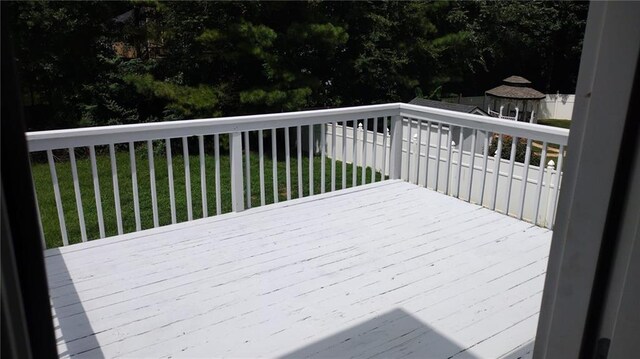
(385, 270)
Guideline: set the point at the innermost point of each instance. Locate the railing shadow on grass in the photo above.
(72, 321)
(393, 334)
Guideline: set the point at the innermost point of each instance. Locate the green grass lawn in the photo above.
(555, 123)
(49, 216)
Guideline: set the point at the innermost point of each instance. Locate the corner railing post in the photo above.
(395, 157)
(237, 189)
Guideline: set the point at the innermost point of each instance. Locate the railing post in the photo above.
(237, 189)
(395, 158)
(550, 204)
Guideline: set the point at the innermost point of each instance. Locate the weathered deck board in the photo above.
(383, 270)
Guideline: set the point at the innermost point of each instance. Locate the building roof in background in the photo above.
(458, 107)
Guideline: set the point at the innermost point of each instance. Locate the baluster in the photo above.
(311, 160)
(247, 168)
(426, 167)
(438, 155)
(373, 150)
(460, 143)
(449, 140)
(512, 158)
(344, 154)
(56, 194)
(274, 164)
(116, 190)
(525, 178)
(187, 177)
(354, 154)
(485, 162)
(384, 147)
(409, 143)
(418, 149)
(333, 156)
(237, 190)
(96, 189)
(134, 185)
(287, 154)
(299, 153)
(76, 188)
(557, 186)
(323, 139)
(395, 155)
(472, 163)
(261, 154)
(203, 177)
(172, 196)
(543, 158)
(152, 182)
(365, 126)
(216, 150)
(496, 171)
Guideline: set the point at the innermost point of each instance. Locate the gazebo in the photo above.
(515, 100)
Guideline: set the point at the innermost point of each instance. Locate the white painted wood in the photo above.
(344, 155)
(472, 165)
(216, 149)
(438, 151)
(172, 195)
(374, 150)
(461, 276)
(418, 150)
(43, 140)
(459, 175)
(247, 168)
(333, 156)
(385, 135)
(409, 146)
(134, 185)
(426, 166)
(235, 156)
(395, 152)
(447, 189)
(538, 198)
(152, 183)
(187, 178)
(365, 130)
(512, 158)
(299, 153)
(556, 185)
(274, 163)
(525, 175)
(58, 198)
(323, 155)
(203, 177)
(76, 189)
(116, 189)
(311, 153)
(287, 158)
(496, 172)
(261, 154)
(485, 159)
(354, 153)
(96, 190)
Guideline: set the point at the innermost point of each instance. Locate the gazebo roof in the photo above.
(515, 87)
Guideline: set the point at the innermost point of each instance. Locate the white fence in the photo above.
(433, 160)
(460, 180)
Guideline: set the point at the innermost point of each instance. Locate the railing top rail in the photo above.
(550, 134)
(54, 139)
(102, 135)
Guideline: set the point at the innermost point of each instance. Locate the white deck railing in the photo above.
(388, 153)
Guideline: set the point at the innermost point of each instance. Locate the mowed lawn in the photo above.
(49, 215)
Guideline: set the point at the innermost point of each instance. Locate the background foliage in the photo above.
(204, 59)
